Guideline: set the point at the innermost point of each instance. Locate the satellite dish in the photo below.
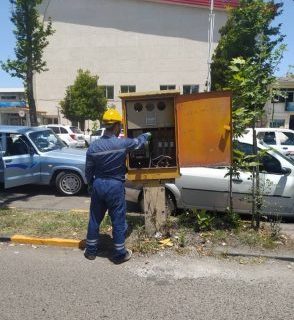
(21, 113)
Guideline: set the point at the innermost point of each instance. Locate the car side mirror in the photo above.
(286, 171)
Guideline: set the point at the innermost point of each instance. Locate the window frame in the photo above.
(168, 87)
(128, 86)
(191, 91)
(8, 97)
(106, 89)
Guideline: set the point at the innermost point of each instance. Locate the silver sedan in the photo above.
(208, 187)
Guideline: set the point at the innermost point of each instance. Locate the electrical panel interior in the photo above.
(155, 116)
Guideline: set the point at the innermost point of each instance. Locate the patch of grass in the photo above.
(105, 224)
(182, 240)
(254, 238)
(218, 235)
(65, 224)
(142, 243)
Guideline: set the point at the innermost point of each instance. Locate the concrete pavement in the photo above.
(53, 283)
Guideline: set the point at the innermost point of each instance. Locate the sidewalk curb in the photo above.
(59, 242)
(256, 255)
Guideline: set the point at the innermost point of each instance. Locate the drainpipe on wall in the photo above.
(210, 43)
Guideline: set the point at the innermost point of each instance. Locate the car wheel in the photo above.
(170, 203)
(69, 183)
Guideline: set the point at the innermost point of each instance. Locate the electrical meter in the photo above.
(187, 130)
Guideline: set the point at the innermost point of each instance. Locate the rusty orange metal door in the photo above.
(204, 129)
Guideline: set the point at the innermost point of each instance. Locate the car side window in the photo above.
(55, 129)
(286, 138)
(267, 137)
(63, 130)
(16, 145)
(268, 163)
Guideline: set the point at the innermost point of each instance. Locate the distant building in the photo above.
(133, 45)
(13, 109)
(279, 112)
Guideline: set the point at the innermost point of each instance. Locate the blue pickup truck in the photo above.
(35, 155)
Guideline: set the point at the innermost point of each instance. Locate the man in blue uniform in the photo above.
(105, 173)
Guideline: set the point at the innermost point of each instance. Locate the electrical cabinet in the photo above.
(187, 130)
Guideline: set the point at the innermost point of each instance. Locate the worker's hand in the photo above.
(148, 135)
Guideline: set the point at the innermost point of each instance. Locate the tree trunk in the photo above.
(256, 199)
(231, 190)
(31, 100)
(29, 65)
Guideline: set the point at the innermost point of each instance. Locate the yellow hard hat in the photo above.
(111, 116)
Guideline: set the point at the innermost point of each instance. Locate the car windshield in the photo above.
(75, 130)
(46, 140)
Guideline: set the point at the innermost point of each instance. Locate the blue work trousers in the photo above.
(107, 194)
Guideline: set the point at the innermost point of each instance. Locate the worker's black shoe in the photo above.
(122, 258)
(89, 256)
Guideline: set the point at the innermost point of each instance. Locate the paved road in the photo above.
(40, 197)
(52, 283)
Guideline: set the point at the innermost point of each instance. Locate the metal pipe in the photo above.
(210, 43)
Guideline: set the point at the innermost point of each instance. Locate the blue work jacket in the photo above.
(106, 157)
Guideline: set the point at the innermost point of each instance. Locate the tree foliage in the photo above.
(240, 37)
(244, 62)
(251, 81)
(31, 40)
(84, 100)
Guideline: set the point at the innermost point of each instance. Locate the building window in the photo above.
(167, 87)
(108, 92)
(277, 123)
(190, 88)
(8, 97)
(287, 95)
(127, 89)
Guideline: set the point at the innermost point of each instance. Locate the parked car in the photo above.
(71, 135)
(277, 138)
(100, 132)
(208, 187)
(36, 155)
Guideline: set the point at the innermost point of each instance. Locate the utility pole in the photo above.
(210, 43)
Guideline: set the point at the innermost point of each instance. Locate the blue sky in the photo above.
(7, 48)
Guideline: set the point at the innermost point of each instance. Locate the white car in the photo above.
(277, 138)
(208, 187)
(71, 135)
(100, 132)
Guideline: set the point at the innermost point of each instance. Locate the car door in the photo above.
(21, 164)
(204, 149)
(242, 183)
(204, 187)
(277, 185)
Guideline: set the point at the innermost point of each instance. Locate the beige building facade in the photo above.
(132, 45)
